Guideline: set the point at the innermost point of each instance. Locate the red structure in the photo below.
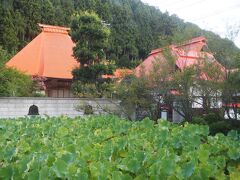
(186, 54)
(49, 60)
(119, 74)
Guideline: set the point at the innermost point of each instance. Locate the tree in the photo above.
(48, 15)
(90, 34)
(135, 95)
(13, 83)
(175, 87)
(182, 95)
(210, 83)
(231, 94)
(31, 11)
(195, 86)
(231, 91)
(8, 35)
(123, 40)
(146, 92)
(4, 56)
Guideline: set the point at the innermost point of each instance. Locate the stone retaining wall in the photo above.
(19, 107)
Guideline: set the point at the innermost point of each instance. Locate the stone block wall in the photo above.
(19, 107)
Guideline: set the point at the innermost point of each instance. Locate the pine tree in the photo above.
(91, 36)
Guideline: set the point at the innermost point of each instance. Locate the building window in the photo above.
(60, 93)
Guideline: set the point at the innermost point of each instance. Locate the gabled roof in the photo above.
(49, 55)
(187, 54)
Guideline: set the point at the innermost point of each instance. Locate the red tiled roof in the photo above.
(187, 54)
(50, 54)
(119, 73)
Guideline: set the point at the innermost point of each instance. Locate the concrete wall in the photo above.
(19, 107)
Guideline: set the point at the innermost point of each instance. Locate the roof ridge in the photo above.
(178, 45)
(54, 29)
(192, 41)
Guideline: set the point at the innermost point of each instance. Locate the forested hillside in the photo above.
(136, 28)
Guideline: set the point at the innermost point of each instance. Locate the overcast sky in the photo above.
(216, 15)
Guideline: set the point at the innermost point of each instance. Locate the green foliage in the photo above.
(89, 81)
(14, 83)
(125, 34)
(8, 35)
(135, 95)
(91, 36)
(224, 51)
(91, 90)
(106, 147)
(93, 73)
(4, 56)
(230, 90)
(217, 124)
(129, 90)
(85, 89)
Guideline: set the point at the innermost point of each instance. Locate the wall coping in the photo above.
(51, 98)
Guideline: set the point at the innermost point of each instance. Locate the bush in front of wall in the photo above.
(217, 124)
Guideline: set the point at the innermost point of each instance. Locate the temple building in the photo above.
(49, 60)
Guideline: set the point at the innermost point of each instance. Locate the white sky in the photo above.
(214, 15)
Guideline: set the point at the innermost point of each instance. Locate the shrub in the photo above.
(212, 118)
(199, 120)
(14, 83)
(220, 127)
(217, 124)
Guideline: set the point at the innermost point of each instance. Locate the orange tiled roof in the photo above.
(187, 54)
(49, 55)
(119, 73)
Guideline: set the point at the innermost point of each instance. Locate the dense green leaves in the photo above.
(14, 83)
(91, 36)
(4, 56)
(110, 148)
